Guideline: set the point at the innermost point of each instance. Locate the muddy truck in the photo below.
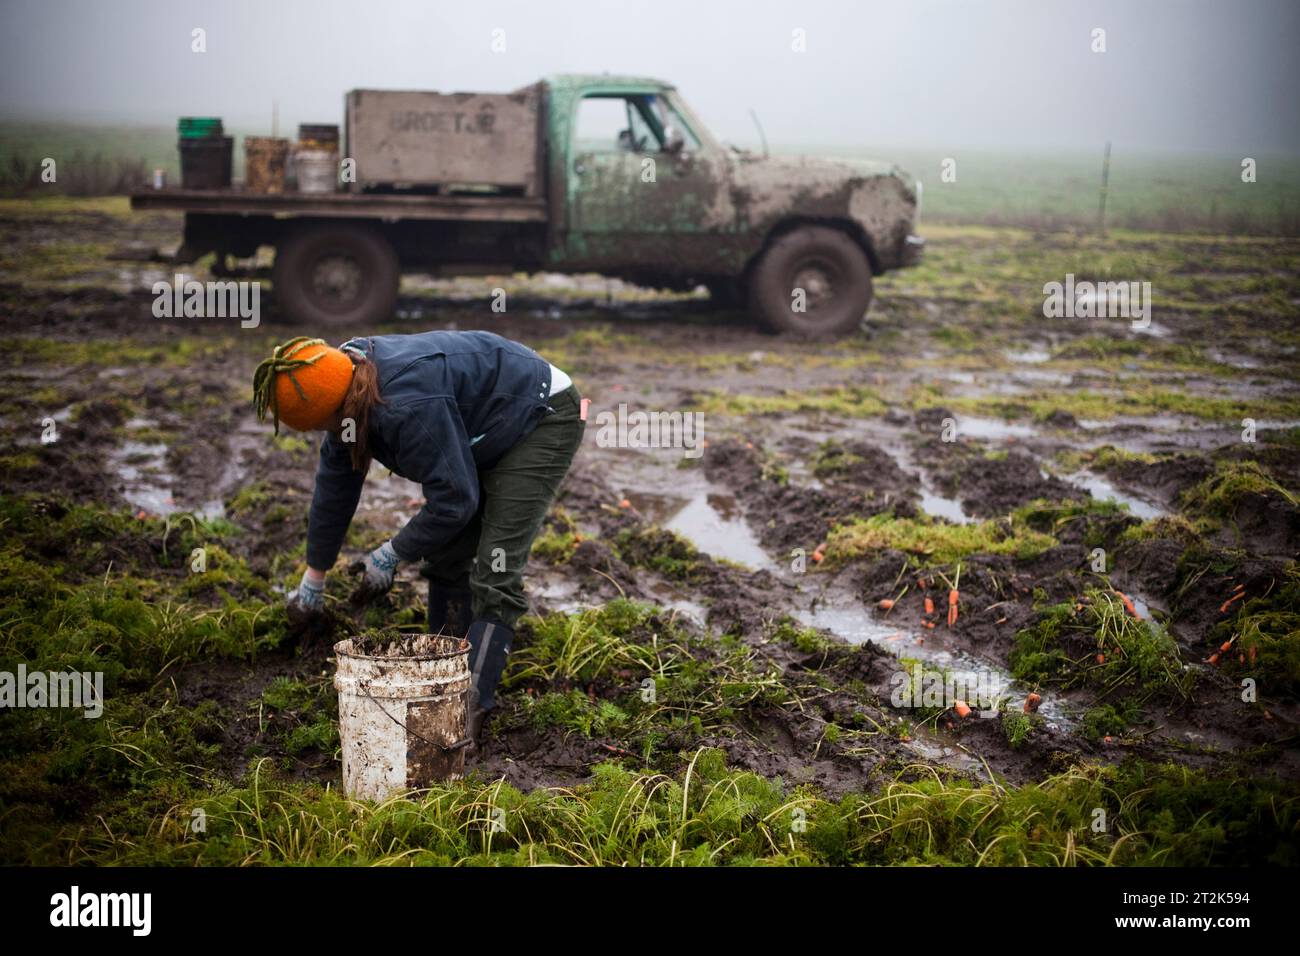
(574, 174)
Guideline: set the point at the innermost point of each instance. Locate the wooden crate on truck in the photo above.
(409, 139)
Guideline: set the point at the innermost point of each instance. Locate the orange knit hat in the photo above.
(302, 384)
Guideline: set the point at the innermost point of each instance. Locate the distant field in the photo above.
(1051, 190)
(1039, 190)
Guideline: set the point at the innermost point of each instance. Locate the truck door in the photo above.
(643, 188)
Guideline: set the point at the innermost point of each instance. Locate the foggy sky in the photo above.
(1177, 74)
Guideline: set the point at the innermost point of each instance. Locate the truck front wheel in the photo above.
(336, 276)
(814, 281)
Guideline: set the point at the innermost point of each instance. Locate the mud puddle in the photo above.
(145, 482)
(1102, 489)
(566, 596)
(839, 612)
(992, 429)
(712, 520)
(939, 506)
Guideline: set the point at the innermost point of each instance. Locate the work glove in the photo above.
(306, 603)
(376, 574)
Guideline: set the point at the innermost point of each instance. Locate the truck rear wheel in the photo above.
(336, 275)
(814, 281)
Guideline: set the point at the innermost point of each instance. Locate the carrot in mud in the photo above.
(1214, 658)
(1223, 608)
(1031, 703)
(1128, 604)
(1252, 653)
(1101, 658)
(929, 605)
(962, 709)
(1227, 645)
(952, 607)
(887, 604)
(819, 553)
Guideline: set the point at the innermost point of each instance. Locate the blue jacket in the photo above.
(454, 402)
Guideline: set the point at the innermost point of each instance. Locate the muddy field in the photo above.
(1117, 509)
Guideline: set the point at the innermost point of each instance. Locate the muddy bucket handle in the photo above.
(448, 748)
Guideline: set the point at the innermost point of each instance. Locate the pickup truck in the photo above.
(577, 173)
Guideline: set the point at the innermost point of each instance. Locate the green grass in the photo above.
(707, 814)
(1133, 399)
(852, 401)
(1266, 630)
(655, 682)
(932, 542)
(1216, 499)
(1095, 641)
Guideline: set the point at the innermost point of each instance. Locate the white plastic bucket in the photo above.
(402, 719)
(317, 170)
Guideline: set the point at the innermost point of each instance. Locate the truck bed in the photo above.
(236, 202)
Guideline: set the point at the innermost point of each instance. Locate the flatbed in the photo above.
(381, 206)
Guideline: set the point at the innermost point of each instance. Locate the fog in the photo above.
(999, 73)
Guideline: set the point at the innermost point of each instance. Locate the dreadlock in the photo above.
(281, 360)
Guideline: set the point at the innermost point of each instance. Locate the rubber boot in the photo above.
(489, 650)
(450, 609)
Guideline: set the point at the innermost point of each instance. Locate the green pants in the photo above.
(514, 496)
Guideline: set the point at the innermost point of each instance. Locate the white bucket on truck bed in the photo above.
(402, 717)
(317, 170)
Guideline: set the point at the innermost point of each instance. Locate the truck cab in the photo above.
(651, 196)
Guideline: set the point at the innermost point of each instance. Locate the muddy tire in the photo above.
(829, 268)
(336, 276)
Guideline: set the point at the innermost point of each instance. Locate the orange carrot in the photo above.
(1214, 658)
(1223, 608)
(885, 604)
(952, 607)
(929, 605)
(1226, 645)
(1101, 658)
(625, 503)
(929, 624)
(1031, 703)
(1251, 652)
(1128, 604)
(961, 708)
